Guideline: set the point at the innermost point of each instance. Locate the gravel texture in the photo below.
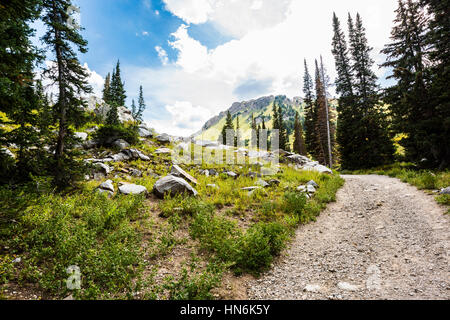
(382, 239)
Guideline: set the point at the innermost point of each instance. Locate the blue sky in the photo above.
(195, 58)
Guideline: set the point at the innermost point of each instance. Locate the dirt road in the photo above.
(382, 239)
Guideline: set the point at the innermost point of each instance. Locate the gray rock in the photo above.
(231, 174)
(119, 157)
(81, 135)
(312, 183)
(206, 143)
(103, 167)
(250, 188)
(310, 189)
(212, 186)
(135, 172)
(121, 144)
(163, 151)
(172, 185)
(108, 192)
(213, 172)
(144, 132)
(298, 159)
(163, 138)
(445, 191)
(263, 183)
(176, 171)
(132, 189)
(302, 189)
(274, 182)
(107, 185)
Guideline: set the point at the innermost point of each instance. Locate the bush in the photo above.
(85, 230)
(294, 203)
(107, 134)
(183, 205)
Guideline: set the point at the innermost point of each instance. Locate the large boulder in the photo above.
(121, 144)
(107, 185)
(132, 189)
(172, 185)
(144, 132)
(163, 138)
(180, 173)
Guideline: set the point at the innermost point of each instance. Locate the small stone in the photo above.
(347, 286)
(132, 189)
(263, 183)
(312, 183)
(121, 144)
(107, 185)
(312, 288)
(176, 171)
(445, 191)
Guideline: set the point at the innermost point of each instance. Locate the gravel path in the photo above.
(382, 239)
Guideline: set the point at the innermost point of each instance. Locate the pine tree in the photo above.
(284, 139)
(408, 98)
(18, 98)
(321, 120)
(254, 134)
(347, 102)
(371, 142)
(436, 128)
(118, 94)
(228, 126)
(299, 142)
(310, 115)
(141, 104)
(238, 132)
(71, 79)
(134, 109)
(107, 89)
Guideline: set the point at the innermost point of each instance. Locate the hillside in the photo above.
(261, 108)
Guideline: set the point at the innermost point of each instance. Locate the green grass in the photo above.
(233, 230)
(423, 179)
(54, 232)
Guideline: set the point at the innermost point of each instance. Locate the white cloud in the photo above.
(185, 117)
(266, 57)
(162, 54)
(191, 11)
(192, 55)
(145, 33)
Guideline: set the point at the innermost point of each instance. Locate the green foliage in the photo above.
(194, 285)
(182, 205)
(85, 230)
(107, 134)
(294, 202)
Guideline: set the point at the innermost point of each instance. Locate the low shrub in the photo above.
(107, 134)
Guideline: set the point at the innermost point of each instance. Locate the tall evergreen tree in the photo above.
(372, 144)
(238, 132)
(321, 133)
(254, 134)
(71, 79)
(283, 135)
(436, 129)
(134, 109)
(118, 94)
(228, 126)
(299, 141)
(141, 104)
(346, 102)
(310, 114)
(107, 89)
(18, 98)
(408, 98)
